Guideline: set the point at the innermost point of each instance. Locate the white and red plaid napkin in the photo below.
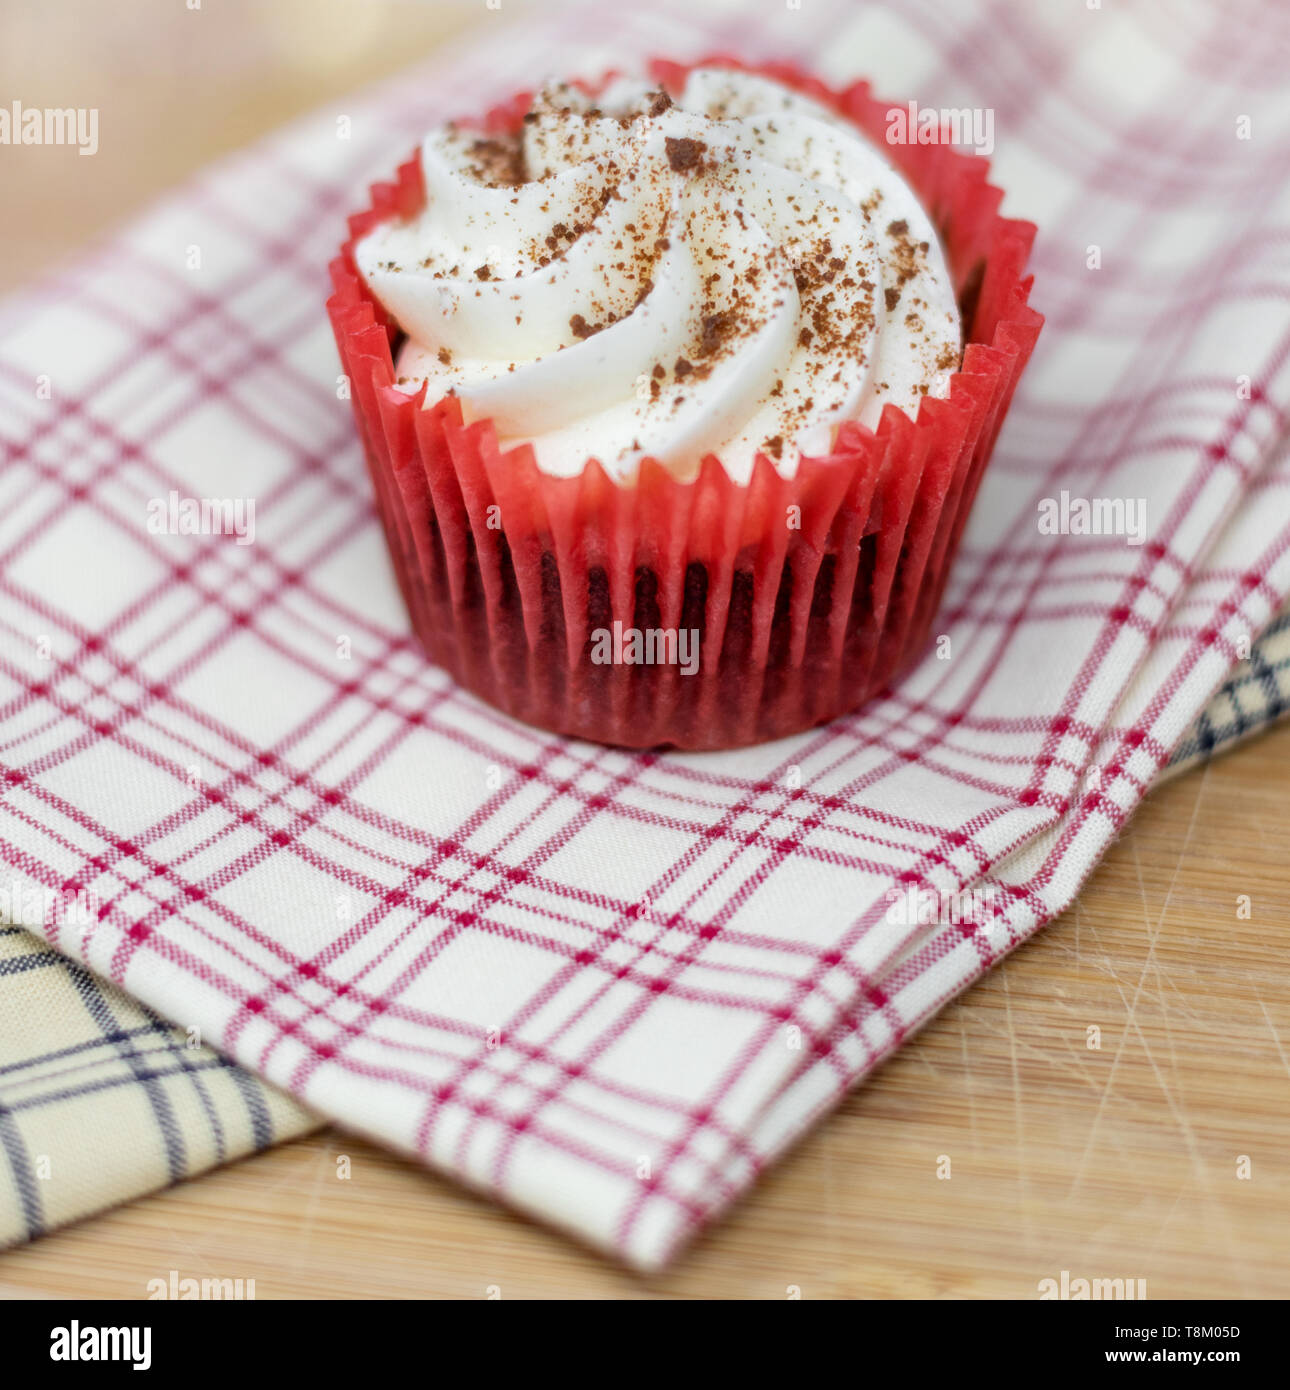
(609, 987)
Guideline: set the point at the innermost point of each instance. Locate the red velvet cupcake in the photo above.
(676, 393)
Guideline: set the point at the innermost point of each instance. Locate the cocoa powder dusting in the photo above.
(683, 154)
(836, 314)
(716, 329)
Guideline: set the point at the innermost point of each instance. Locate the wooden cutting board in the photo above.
(1116, 1162)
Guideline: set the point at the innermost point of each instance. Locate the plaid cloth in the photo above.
(1254, 696)
(57, 1085)
(101, 1101)
(608, 987)
(78, 1057)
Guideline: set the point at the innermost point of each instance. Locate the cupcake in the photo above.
(675, 392)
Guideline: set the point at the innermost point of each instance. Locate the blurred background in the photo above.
(177, 83)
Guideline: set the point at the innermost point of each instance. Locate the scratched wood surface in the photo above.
(1115, 1162)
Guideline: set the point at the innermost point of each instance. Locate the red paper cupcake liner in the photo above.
(508, 573)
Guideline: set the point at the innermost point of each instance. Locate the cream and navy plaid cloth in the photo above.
(609, 988)
(101, 1101)
(1254, 696)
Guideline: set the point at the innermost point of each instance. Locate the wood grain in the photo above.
(1120, 1161)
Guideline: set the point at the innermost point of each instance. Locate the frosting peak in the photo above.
(735, 272)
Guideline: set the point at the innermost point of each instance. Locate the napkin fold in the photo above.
(88, 1114)
(609, 987)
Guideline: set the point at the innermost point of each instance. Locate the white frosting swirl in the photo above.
(735, 273)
